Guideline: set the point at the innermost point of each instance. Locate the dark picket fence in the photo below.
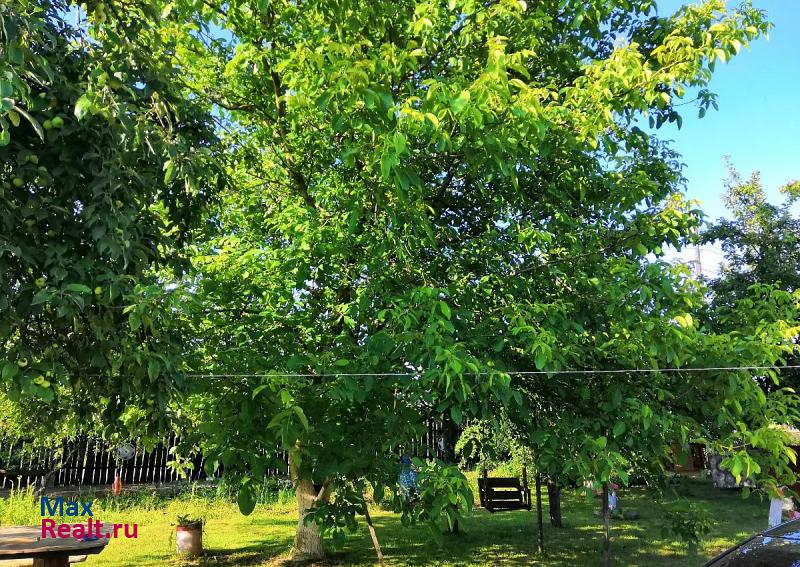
(87, 461)
(94, 462)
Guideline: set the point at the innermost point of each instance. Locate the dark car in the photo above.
(776, 547)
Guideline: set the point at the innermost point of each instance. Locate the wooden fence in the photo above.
(88, 461)
(93, 462)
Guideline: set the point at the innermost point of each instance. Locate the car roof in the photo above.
(776, 547)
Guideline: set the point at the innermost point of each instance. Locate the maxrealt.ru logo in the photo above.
(91, 529)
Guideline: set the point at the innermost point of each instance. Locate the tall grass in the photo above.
(19, 508)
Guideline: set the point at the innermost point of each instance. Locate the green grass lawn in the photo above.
(265, 537)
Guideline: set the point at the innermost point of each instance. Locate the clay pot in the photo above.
(189, 540)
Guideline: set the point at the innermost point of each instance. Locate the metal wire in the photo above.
(511, 372)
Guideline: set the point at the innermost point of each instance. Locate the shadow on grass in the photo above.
(254, 554)
(505, 539)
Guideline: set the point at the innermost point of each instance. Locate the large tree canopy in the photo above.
(455, 190)
(86, 213)
(426, 199)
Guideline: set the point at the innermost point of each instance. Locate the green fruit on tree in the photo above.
(40, 282)
(98, 290)
(58, 122)
(22, 362)
(18, 182)
(47, 125)
(32, 158)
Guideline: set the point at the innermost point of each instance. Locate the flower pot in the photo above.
(189, 540)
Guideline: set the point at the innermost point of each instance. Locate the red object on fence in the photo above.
(116, 487)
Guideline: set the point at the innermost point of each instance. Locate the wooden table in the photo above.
(24, 542)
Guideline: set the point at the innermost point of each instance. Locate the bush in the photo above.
(689, 523)
(444, 495)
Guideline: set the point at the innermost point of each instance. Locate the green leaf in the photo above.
(246, 500)
(455, 413)
(78, 288)
(169, 171)
(14, 117)
(685, 320)
(45, 394)
(9, 370)
(430, 117)
(82, 106)
(541, 359)
(736, 469)
(619, 429)
(15, 54)
(460, 102)
(298, 411)
(388, 161)
(259, 389)
(153, 368)
(399, 141)
(279, 417)
(33, 122)
(41, 296)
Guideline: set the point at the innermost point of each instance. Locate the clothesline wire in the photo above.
(484, 373)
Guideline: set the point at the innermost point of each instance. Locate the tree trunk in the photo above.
(450, 438)
(554, 503)
(307, 539)
(606, 528)
(539, 527)
(374, 536)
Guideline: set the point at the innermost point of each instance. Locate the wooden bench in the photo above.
(504, 494)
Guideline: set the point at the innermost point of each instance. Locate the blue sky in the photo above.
(758, 122)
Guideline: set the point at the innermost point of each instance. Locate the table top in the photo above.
(20, 542)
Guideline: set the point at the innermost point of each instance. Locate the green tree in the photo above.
(453, 192)
(760, 242)
(457, 191)
(104, 168)
(761, 248)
